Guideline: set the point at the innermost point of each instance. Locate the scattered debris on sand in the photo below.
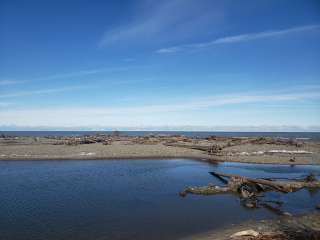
(87, 153)
(213, 148)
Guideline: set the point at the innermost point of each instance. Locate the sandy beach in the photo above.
(247, 150)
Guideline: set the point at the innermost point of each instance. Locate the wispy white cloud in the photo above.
(170, 49)
(9, 82)
(164, 20)
(170, 113)
(239, 38)
(42, 91)
(80, 73)
(88, 72)
(71, 88)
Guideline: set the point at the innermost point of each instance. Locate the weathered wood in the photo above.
(268, 183)
(309, 178)
(250, 188)
(189, 146)
(219, 177)
(212, 149)
(276, 210)
(207, 190)
(282, 186)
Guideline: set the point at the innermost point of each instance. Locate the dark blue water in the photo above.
(315, 136)
(126, 199)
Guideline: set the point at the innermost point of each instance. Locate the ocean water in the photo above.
(315, 136)
(128, 199)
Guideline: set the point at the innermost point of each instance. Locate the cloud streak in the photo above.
(170, 18)
(81, 73)
(147, 114)
(42, 91)
(86, 73)
(9, 82)
(238, 38)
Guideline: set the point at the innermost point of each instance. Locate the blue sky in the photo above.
(171, 64)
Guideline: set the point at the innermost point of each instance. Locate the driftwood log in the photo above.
(282, 186)
(236, 181)
(249, 189)
(212, 149)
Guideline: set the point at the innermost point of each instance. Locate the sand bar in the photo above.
(248, 150)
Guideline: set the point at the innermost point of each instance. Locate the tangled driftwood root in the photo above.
(249, 189)
(247, 185)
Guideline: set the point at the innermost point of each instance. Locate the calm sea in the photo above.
(315, 136)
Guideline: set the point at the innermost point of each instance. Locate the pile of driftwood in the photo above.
(150, 140)
(212, 149)
(156, 139)
(276, 141)
(88, 139)
(250, 190)
(234, 141)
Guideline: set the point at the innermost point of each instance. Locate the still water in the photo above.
(127, 199)
(314, 136)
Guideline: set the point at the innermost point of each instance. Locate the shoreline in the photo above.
(301, 226)
(213, 149)
(208, 160)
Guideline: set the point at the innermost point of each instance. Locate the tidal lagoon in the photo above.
(129, 199)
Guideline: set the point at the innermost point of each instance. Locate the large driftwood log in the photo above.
(190, 146)
(247, 187)
(206, 190)
(282, 186)
(232, 186)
